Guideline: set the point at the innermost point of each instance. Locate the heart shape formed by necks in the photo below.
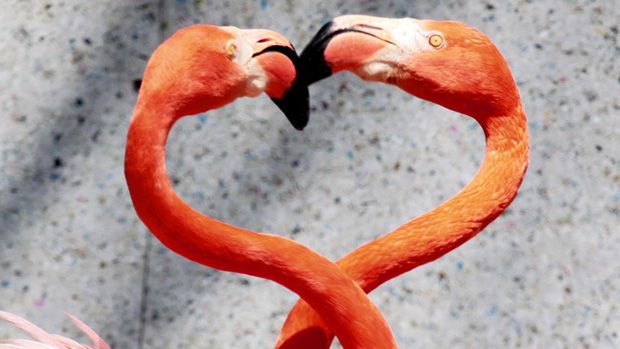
(453, 65)
(204, 67)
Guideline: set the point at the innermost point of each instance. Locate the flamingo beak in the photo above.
(345, 43)
(281, 64)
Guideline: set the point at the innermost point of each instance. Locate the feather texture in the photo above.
(44, 340)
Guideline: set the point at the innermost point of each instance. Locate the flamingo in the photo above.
(204, 67)
(447, 63)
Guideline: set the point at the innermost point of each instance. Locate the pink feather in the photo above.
(97, 340)
(30, 329)
(44, 340)
(25, 343)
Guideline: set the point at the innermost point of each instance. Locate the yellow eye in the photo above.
(231, 49)
(435, 40)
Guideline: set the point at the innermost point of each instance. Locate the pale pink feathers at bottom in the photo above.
(44, 340)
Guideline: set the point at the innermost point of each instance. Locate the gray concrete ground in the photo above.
(544, 275)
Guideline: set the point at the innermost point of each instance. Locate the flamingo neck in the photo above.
(452, 223)
(154, 199)
(496, 184)
(218, 245)
(177, 225)
(434, 233)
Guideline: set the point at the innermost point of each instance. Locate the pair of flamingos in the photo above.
(204, 67)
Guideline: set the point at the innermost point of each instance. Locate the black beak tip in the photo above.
(295, 102)
(295, 105)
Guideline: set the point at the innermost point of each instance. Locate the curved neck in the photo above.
(494, 186)
(216, 244)
(444, 228)
(434, 233)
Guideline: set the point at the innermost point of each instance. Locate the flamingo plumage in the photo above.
(201, 68)
(450, 64)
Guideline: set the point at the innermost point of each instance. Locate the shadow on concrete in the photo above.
(84, 121)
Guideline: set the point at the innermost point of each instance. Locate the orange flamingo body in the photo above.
(202, 68)
(447, 63)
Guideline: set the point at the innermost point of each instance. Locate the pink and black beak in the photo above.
(344, 43)
(282, 68)
(294, 101)
(312, 58)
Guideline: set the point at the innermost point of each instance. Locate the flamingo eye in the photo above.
(231, 49)
(435, 40)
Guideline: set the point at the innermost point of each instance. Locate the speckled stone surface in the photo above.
(544, 275)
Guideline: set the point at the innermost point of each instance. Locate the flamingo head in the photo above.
(204, 67)
(445, 62)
